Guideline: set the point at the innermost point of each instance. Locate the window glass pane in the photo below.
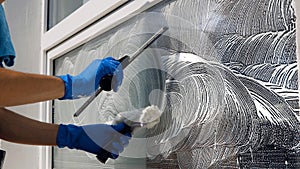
(103, 109)
(59, 9)
(227, 84)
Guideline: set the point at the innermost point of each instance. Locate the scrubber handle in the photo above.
(103, 154)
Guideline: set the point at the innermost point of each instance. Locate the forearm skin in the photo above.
(20, 129)
(19, 88)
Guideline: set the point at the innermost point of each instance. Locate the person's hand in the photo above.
(94, 138)
(89, 79)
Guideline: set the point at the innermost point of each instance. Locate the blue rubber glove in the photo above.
(94, 138)
(87, 82)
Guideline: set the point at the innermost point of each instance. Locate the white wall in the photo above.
(24, 19)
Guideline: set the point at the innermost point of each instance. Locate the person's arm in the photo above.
(20, 129)
(90, 138)
(19, 88)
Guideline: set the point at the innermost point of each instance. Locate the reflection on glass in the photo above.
(60, 9)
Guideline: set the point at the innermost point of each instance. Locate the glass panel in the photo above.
(225, 78)
(103, 109)
(60, 9)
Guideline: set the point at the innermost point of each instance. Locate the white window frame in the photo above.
(76, 30)
(78, 20)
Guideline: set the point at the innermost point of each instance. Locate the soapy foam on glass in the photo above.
(150, 116)
(147, 117)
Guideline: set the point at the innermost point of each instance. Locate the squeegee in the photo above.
(106, 81)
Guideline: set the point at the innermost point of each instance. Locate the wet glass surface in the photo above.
(225, 76)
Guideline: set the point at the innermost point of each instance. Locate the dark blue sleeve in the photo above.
(7, 52)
